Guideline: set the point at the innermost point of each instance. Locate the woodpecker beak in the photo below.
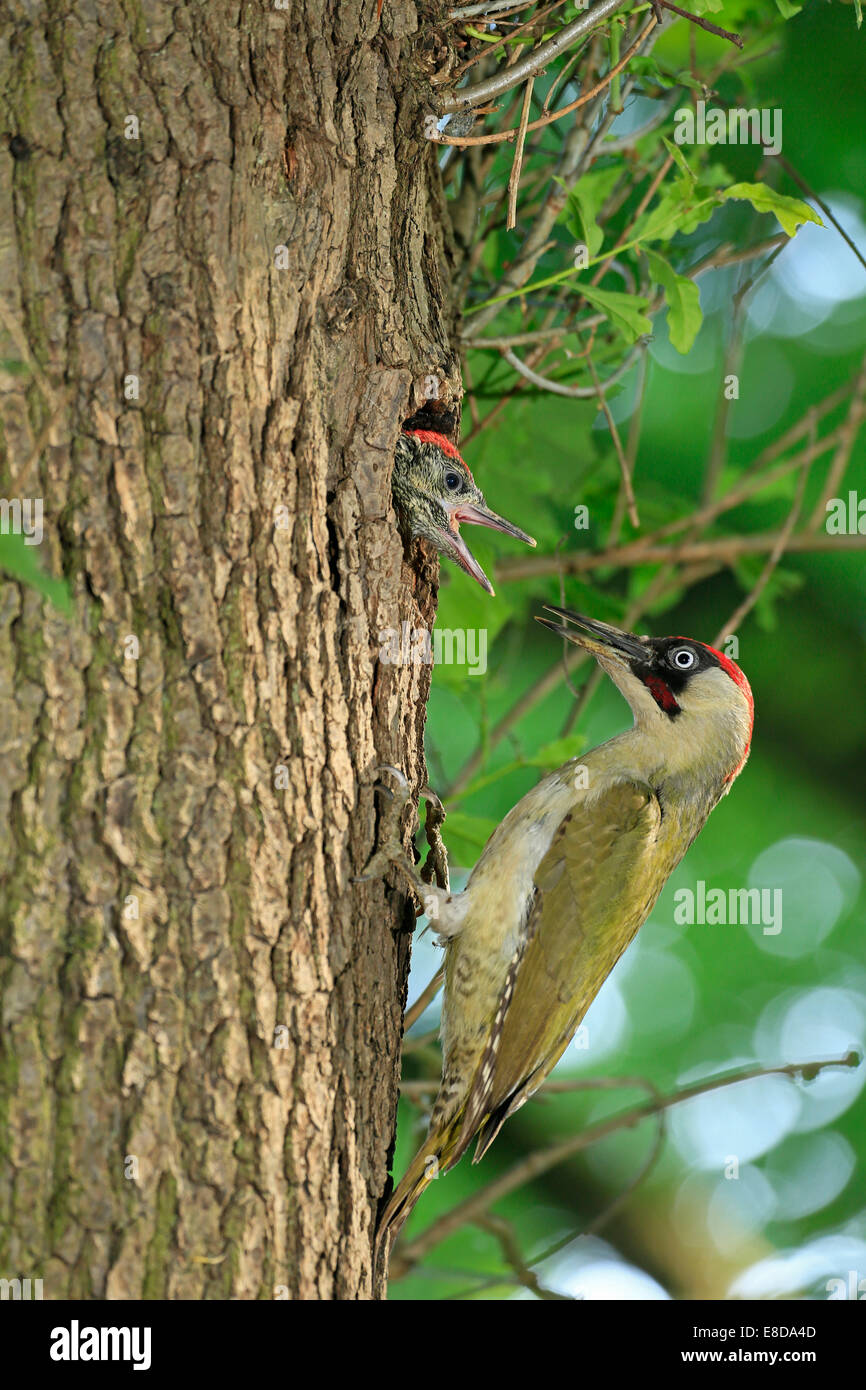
(459, 551)
(483, 516)
(607, 643)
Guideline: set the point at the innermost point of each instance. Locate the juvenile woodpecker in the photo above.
(565, 882)
(434, 492)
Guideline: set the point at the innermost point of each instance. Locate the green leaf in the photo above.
(646, 66)
(480, 34)
(559, 751)
(585, 200)
(748, 570)
(20, 561)
(858, 10)
(787, 10)
(712, 177)
(679, 158)
(680, 209)
(790, 212)
(465, 837)
(684, 302)
(625, 311)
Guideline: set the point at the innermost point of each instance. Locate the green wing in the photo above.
(594, 888)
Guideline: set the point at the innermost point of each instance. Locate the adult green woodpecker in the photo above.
(434, 492)
(566, 881)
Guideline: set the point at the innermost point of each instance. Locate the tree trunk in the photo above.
(223, 279)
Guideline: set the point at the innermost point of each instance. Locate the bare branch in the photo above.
(427, 995)
(721, 549)
(561, 388)
(542, 1160)
(503, 81)
(715, 260)
(848, 434)
(513, 1256)
(488, 7)
(628, 490)
(619, 143)
(514, 179)
(804, 187)
(540, 15)
(499, 137)
(635, 552)
(711, 28)
(776, 554)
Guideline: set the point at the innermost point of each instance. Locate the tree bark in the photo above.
(223, 279)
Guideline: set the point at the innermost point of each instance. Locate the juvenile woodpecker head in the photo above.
(695, 702)
(434, 492)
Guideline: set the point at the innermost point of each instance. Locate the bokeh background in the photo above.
(756, 1190)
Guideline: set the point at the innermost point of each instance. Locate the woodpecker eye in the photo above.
(683, 658)
(452, 481)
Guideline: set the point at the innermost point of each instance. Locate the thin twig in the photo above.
(635, 552)
(490, 48)
(748, 603)
(630, 502)
(648, 196)
(721, 549)
(848, 434)
(620, 143)
(423, 1043)
(427, 995)
(699, 21)
(539, 1162)
(562, 77)
(715, 260)
(514, 179)
(499, 137)
(489, 7)
(804, 187)
(630, 451)
(566, 675)
(532, 64)
(561, 388)
(513, 1256)
(730, 369)
(538, 238)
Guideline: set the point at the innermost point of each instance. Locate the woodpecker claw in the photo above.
(429, 795)
(391, 851)
(395, 772)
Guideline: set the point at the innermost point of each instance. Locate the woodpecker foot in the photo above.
(434, 901)
(390, 850)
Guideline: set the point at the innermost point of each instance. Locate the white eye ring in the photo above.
(683, 658)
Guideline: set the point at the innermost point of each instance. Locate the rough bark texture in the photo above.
(201, 1014)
